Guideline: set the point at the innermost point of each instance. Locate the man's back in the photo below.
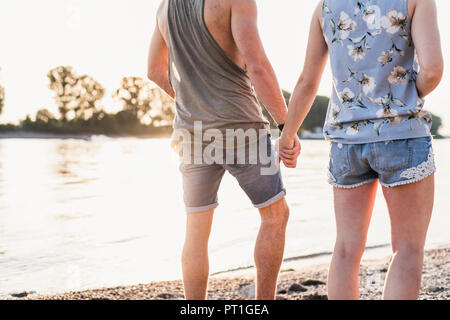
(230, 29)
(217, 15)
(210, 86)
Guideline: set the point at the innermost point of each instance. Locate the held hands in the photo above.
(289, 150)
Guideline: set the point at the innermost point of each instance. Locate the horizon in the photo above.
(122, 48)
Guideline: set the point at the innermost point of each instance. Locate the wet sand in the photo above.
(302, 284)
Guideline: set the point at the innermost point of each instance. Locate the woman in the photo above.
(378, 130)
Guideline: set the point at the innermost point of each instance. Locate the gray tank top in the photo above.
(209, 86)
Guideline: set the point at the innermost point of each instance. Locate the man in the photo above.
(208, 56)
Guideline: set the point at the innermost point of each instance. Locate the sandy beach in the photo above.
(302, 284)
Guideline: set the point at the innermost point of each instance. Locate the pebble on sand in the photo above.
(436, 285)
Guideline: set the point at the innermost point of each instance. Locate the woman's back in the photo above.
(372, 56)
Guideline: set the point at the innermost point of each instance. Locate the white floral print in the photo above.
(335, 110)
(394, 21)
(385, 58)
(398, 76)
(347, 96)
(370, 15)
(357, 53)
(346, 26)
(357, 50)
(387, 112)
(325, 8)
(368, 84)
(391, 116)
(353, 130)
(395, 121)
(387, 101)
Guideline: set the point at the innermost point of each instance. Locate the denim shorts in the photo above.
(394, 163)
(201, 182)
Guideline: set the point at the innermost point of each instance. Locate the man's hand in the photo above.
(288, 151)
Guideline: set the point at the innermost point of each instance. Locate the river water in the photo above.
(80, 214)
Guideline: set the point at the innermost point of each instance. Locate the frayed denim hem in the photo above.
(354, 186)
(270, 202)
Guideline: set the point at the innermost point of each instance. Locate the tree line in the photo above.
(2, 96)
(146, 110)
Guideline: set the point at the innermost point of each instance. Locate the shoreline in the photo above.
(89, 137)
(79, 136)
(307, 283)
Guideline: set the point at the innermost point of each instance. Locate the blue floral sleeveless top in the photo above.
(374, 73)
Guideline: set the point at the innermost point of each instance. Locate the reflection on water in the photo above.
(77, 214)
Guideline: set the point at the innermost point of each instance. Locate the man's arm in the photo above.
(308, 84)
(246, 35)
(426, 37)
(158, 59)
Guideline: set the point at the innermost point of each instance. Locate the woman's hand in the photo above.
(289, 149)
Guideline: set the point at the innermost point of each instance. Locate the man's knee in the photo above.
(276, 214)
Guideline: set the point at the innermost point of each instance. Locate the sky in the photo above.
(109, 39)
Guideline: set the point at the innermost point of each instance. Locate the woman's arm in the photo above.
(426, 37)
(308, 84)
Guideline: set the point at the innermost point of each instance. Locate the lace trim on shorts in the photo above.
(422, 171)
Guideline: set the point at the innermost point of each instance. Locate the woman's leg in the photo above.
(353, 209)
(410, 209)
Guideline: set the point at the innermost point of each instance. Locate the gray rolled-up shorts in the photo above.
(201, 182)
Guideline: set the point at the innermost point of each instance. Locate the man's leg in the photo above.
(195, 255)
(410, 209)
(353, 209)
(269, 248)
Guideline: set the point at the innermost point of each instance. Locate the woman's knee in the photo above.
(349, 250)
(410, 251)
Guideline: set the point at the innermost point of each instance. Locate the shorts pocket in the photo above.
(421, 150)
(393, 155)
(339, 160)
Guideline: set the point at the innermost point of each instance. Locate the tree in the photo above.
(287, 96)
(437, 124)
(63, 81)
(77, 97)
(136, 96)
(162, 107)
(89, 95)
(44, 116)
(273, 124)
(2, 99)
(317, 116)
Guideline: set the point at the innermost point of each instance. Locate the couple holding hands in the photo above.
(385, 56)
